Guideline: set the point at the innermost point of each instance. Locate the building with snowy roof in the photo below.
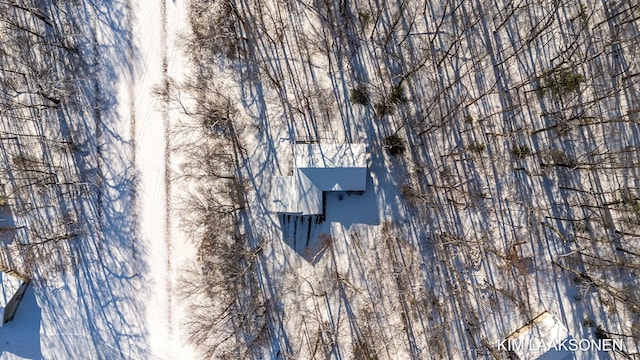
(319, 168)
(544, 338)
(12, 288)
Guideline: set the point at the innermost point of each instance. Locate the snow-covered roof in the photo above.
(296, 194)
(8, 286)
(319, 168)
(539, 340)
(324, 156)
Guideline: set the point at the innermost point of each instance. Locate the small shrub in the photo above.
(562, 82)
(583, 279)
(477, 195)
(25, 162)
(363, 350)
(325, 240)
(563, 129)
(588, 323)
(580, 226)
(468, 119)
(630, 199)
(384, 108)
(395, 144)
(559, 158)
(397, 95)
(601, 333)
(365, 19)
(520, 151)
(359, 95)
(477, 148)
(409, 192)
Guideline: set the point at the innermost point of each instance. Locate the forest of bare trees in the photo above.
(504, 151)
(47, 146)
(519, 170)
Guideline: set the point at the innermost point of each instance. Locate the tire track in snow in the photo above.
(149, 103)
(167, 166)
(97, 118)
(132, 130)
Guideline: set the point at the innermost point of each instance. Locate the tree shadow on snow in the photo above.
(95, 308)
(309, 235)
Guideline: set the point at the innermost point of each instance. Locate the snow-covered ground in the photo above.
(157, 28)
(509, 201)
(466, 238)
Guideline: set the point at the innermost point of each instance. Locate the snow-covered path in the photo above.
(157, 25)
(149, 126)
